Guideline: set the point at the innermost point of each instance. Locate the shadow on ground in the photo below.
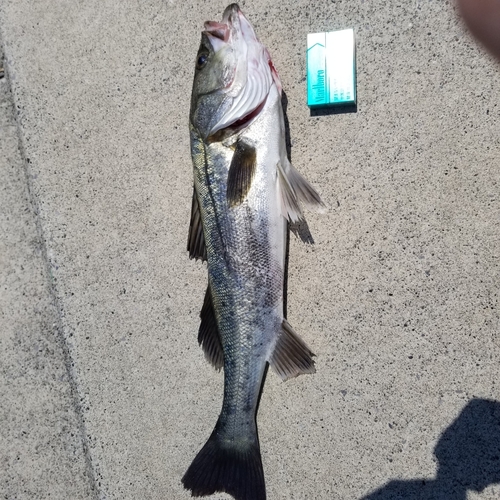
(468, 453)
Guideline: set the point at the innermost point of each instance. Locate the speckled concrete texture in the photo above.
(41, 439)
(398, 297)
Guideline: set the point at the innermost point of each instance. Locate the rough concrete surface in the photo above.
(41, 441)
(398, 297)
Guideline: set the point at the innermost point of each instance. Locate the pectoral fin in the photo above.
(291, 356)
(208, 334)
(196, 240)
(295, 189)
(241, 173)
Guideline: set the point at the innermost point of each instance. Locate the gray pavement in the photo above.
(106, 393)
(41, 433)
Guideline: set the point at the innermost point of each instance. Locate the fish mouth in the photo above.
(217, 30)
(234, 17)
(233, 22)
(230, 12)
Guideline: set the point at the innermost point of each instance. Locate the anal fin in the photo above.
(291, 356)
(208, 334)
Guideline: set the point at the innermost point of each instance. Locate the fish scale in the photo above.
(237, 292)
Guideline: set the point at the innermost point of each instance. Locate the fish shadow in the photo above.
(284, 104)
(468, 453)
(300, 229)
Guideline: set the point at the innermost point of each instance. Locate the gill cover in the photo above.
(233, 74)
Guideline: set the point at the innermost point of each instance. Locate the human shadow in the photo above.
(468, 453)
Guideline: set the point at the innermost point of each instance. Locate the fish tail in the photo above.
(230, 466)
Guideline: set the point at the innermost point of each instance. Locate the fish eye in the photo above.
(202, 60)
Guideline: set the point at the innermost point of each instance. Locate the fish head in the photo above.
(233, 75)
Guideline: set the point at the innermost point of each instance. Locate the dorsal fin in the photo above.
(196, 240)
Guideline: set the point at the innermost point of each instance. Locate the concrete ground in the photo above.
(105, 392)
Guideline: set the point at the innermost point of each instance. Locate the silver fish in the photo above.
(245, 191)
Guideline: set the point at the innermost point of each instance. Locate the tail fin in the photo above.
(233, 467)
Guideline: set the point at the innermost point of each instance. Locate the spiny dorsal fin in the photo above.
(196, 240)
(241, 172)
(294, 188)
(208, 334)
(291, 356)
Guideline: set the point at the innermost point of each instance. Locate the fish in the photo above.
(246, 192)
